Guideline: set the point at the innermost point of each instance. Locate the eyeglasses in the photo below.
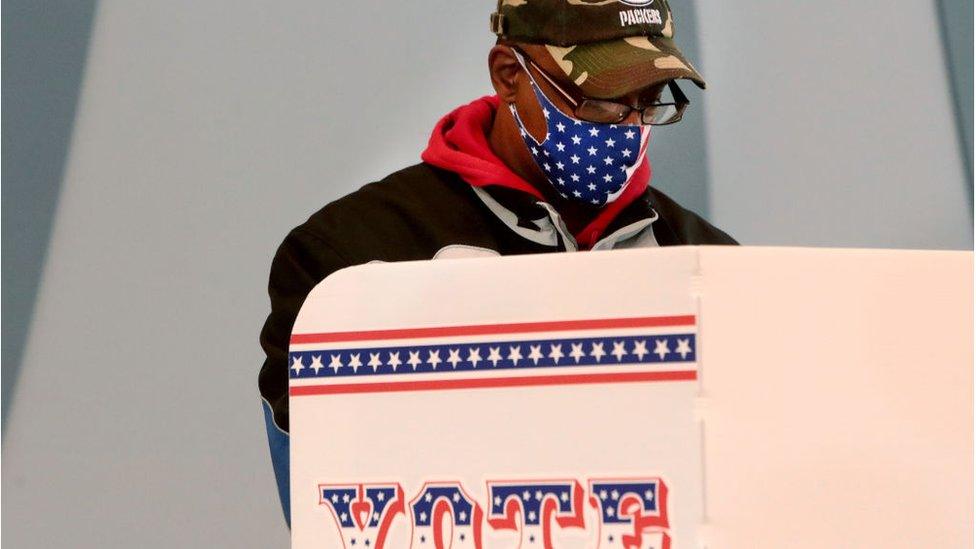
(599, 111)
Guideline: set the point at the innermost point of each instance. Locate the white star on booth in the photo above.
(661, 348)
(474, 356)
(597, 351)
(577, 351)
(515, 354)
(355, 362)
(618, 350)
(454, 357)
(296, 364)
(640, 349)
(317, 363)
(684, 347)
(535, 353)
(335, 362)
(494, 355)
(555, 352)
(394, 360)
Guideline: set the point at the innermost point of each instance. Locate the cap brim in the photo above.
(614, 68)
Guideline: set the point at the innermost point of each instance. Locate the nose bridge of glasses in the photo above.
(635, 99)
(633, 117)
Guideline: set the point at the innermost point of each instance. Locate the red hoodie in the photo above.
(459, 143)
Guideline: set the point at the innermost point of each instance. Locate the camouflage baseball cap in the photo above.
(606, 47)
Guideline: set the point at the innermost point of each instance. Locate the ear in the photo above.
(504, 71)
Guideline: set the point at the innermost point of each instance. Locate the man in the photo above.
(554, 162)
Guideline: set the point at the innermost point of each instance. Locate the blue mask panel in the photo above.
(584, 161)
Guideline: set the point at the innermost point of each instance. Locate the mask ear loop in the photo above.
(537, 91)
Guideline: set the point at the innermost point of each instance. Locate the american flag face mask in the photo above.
(585, 162)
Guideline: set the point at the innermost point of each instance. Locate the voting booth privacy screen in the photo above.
(658, 398)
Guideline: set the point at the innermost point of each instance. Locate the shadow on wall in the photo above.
(957, 35)
(44, 49)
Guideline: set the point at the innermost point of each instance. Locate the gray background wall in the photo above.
(204, 131)
(832, 124)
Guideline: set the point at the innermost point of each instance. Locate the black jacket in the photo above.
(423, 212)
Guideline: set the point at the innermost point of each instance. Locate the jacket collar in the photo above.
(539, 222)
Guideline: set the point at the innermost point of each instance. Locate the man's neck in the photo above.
(507, 144)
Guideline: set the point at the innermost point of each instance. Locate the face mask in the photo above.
(585, 162)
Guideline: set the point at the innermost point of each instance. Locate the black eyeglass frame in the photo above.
(680, 103)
